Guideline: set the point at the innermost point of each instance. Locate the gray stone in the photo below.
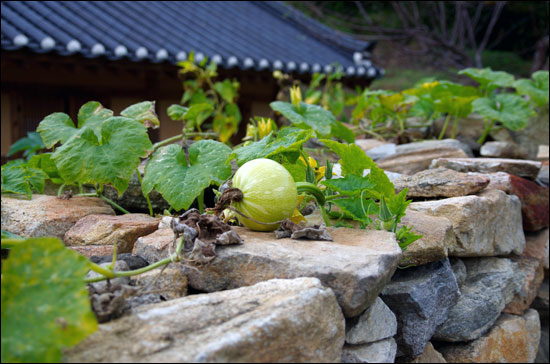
(170, 282)
(459, 269)
(155, 246)
(543, 152)
(421, 298)
(519, 167)
(393, 175)
(415, 157)
(487, 224)
(382, 351)
(382, 151)
(101, 286)
(367, 144)
(497, 181)
(275, 321)
(440, 182)
(48, 215)
(490, 284)
(376, 323)
(543, 176)
(513, 339)
(503, 150)
(356, 265)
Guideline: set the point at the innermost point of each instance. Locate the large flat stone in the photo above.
(490, 284)
(356, 265)
(376, 323)
(440, 182)
(382, 351)
(415, 157)
(276, 321)
(438, 235)
(513, 339)
(44, 215)
(519, 167)
(487, 224)
(122, 230)
(421, 298)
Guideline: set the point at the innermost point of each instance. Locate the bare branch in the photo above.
(494, 17)
(363, 12)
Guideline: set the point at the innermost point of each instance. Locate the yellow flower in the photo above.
(265, 126)
(295, 96)
(430, 85)
(319, 171)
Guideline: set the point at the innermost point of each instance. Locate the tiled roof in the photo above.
(245, 34)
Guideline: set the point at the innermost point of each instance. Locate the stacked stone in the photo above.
(468, 290)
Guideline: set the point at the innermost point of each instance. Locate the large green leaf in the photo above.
(92, 115)
(29, 145)
(21, 178)
(227, 90)
(111, 159)
(489, 79)
(180, 182)
(350, 184)
(144, 112)
(511, 110)
(45, 304)
(45, 162)
(354, 161)
(354, 209)
(452, 98)
(536, 89)
(56, 127)
(198, 113)
(289, 142)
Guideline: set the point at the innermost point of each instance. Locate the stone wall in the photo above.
(474, 288)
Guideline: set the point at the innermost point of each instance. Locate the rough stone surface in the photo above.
(459, 269)
(536, 246)
(48, 215)
(485, 225)
(415, 157)
(513, 339)
(170, 282)
(382, 351)
(438, 236)
(534, 203)
(276, 321)
(519, 167)
(441, 182)
(533, 271)
(490, 284)
(503, 150)
(544, 175)
(382, 151)
(356, 265)
(93, 250)
(497, 181)
(376, 323)
(122, 230)
(367, 144)
(421, 298)
(429, 355)
(155, 246)
(133, 261)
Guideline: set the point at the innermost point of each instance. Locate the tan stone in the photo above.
(417, 161)
(367, 144)
(356, 265)
(279, 320)
(497, 181)
(533, 272)
(90, 250)
(513, 339)
(519, 167)
(430, 355)
(48, 215)
(542, 153)
(122, 230)
(501, 149)
(487, 224)
(438, 236)
(170, 282)
(440, 182)
(536, 246)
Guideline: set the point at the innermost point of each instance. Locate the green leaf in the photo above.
(29, 144)
(536, 89)
(289, 142)
(511, 110)
(198, 113)
(144, 112)
(45, 304)
(452, 98)
(179, 182)
(406, 237)
(227, 90)
(354, 161)
(45, 163)
(353, 209)
(350, 184)
(297, 171)
(92, 115)
(398, 204)
(489, 79)
(176, 112)
(56, 127)
(18, 177)
(111, 159)
(340, 131)
(233, 111)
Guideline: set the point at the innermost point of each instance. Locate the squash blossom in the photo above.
(319, 171)
(295, 96)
